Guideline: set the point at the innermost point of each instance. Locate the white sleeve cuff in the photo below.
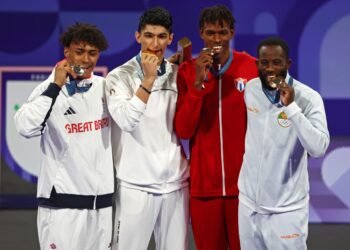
(292, 109)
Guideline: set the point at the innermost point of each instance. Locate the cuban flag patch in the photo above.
(240, 84)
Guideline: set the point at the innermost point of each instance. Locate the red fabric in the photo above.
(215, 223)
(197, 119)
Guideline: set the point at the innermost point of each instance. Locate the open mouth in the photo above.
(153, 52)
(274, 81)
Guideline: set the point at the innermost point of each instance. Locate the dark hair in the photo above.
(216, 13)
(156, 16)
(84, 32)
(274, 41)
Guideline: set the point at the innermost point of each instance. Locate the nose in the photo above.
(155, 42)
(85, 58)
(217, 38)
(269, 67)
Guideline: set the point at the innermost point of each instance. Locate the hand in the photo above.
(286, 93)
(61, 71)
(149, 63)
(203, 62)
(174, 58)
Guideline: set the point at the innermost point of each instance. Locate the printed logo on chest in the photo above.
(240, 84)
(283, 121)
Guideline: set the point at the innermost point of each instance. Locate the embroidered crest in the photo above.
(240, 84)
(112, 92)
(283, 121)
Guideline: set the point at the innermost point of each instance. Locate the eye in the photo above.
(93, 53)
(223, 32)
(79, 52)
(209, 33)
(148, 35)
(163, 36)
(263, 62)
(277, 62)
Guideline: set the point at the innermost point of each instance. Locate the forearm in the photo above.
(311, 130)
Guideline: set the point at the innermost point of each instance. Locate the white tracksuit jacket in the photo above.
(274, 176)
(75, 139)
(146, 150)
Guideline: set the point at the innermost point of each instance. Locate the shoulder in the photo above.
(305, 94)
(303, 89)
(252, 84)
(128, 67)
(243, 56)
(185, 66)
(98, 78)
(244, 64)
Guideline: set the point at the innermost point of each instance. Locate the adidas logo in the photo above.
(69, 111)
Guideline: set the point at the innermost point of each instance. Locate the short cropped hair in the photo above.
(84, 32)
(216, 13)
(156, 16)
(274, 41)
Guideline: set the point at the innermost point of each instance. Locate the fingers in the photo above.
(149, 58)
(61, 70)
(205, 60)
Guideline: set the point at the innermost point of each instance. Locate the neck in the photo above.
(224, 57)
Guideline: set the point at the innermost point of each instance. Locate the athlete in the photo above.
(286, 124)
(68, 111)
(212, 114)
(152, 172)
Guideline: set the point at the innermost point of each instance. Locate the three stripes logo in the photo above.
(70, 111)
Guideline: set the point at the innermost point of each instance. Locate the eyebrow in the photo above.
(150, 33)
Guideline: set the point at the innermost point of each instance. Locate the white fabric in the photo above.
(146, 150)
(73, 229)
(274, 177)
(76, 148)
(138, 213)
(272, 231)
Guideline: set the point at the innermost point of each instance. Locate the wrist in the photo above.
(145, 89)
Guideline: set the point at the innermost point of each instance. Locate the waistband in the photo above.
(76, 201)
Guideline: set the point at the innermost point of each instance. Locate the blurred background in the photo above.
(318, 34)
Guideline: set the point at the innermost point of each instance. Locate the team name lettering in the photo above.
(82, 127)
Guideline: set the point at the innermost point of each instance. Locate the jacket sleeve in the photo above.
(124, 106)
(188, 106)
(310, 124)
(30, 119)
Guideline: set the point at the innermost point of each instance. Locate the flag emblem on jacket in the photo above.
(240, 84)
(283, 121)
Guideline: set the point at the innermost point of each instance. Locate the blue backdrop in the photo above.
(317, 31)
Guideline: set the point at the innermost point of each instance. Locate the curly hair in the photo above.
(216, 13)
(84, 32)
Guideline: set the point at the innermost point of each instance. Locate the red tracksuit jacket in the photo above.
(215, 122)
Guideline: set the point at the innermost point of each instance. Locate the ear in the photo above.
(257, 62)
(66, 52)
(171, 37)
(138, 36)
(232, 31)
(289, 62)
(201, 34)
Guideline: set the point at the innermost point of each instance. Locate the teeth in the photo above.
(214, 50)
(274, 81)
